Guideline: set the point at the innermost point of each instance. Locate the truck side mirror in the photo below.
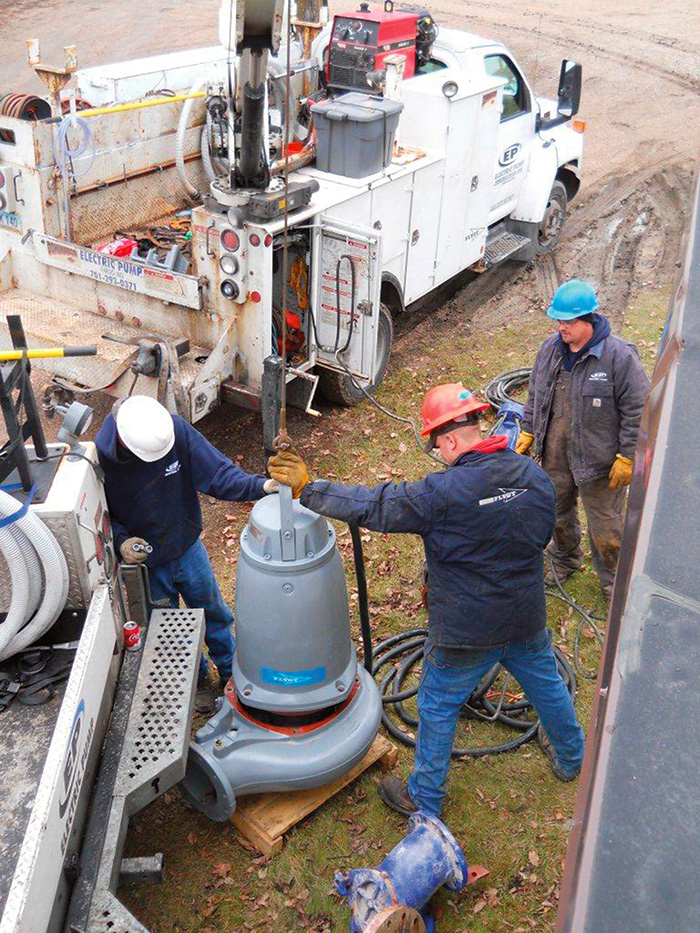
(569, 92)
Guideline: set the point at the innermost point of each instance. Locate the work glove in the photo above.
(138, 556)
(288, 468)
(524, 442)
(620, 472)
(270, 486)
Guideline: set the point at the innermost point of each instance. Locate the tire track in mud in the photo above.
(686, 81)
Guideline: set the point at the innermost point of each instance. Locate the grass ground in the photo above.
(509, 812)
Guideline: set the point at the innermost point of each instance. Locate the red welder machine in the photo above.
(361, 41)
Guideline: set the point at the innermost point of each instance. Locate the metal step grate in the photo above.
(151, 760)
(504, 246)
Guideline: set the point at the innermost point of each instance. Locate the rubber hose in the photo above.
(404, 651)
(206, 155)
(191, 190)
(18, 635)
(362, 598)
(412, 644)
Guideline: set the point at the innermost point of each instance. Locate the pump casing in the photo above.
(298, 712)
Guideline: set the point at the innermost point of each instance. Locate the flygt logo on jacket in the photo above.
(506, 496)
(172, 468)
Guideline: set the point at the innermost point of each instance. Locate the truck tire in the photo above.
(340, 389)
(550, 226)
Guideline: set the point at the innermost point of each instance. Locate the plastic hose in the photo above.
(66, 156)
(191, 190)
(34, 559)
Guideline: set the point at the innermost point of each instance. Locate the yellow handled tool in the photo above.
(7, 356)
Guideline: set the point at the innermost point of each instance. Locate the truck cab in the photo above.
(529, 158)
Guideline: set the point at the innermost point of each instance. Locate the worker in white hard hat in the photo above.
(155, 463)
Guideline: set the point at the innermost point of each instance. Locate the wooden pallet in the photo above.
(263, 819)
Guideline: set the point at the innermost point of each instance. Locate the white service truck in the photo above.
(478, 169)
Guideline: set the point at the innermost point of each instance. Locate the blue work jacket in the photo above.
(484, 522)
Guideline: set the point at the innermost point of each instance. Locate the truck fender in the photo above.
(392, 293)
(544, 163)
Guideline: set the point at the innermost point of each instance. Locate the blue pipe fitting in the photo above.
(510, 414)
(425, 860)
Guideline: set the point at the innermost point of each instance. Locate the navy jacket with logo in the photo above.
(484, 522)
(158, 501)
(608, 391)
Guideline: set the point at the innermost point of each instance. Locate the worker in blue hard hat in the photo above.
(584, 407)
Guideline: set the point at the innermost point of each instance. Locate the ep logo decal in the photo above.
(510, 154)
(70, 762)
(74, 764)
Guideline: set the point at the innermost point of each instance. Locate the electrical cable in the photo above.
(586, 619)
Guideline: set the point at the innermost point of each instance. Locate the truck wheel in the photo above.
(340, 389)
(554, 216)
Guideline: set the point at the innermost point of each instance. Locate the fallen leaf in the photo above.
(533, 858)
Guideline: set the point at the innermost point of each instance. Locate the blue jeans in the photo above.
(450, 677)
(191, 576)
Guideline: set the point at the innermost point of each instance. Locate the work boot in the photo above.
(394, 793)
(548, 749)
(204, 697)
(562, 574)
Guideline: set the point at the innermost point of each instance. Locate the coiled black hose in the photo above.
(401, 653)
(405, 650)
(499, 389)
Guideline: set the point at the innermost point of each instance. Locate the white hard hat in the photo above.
(145, 427)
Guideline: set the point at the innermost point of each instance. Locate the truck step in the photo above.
(145, 755)
(503, 246)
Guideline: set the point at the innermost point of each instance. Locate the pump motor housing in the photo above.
(298, 711)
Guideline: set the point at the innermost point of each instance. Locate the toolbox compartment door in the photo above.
(346, 290)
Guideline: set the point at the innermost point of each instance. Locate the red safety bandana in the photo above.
(489, 445)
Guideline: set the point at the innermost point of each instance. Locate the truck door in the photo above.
(347, 285)
(515, 134)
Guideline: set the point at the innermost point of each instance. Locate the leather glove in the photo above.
(288, 468)
(524, 442)
(620, 472)
(270, 486)
(138, 556)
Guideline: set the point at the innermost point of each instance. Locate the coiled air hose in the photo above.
(38, 578)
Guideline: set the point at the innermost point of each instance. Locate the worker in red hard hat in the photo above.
(484, 521)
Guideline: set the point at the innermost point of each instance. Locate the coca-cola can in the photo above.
(132, 636)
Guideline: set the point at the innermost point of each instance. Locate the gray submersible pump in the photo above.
(298, 711)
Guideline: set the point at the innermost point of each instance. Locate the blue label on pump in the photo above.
(293, 678)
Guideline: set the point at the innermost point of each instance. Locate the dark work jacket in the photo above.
(608, 391)
(158, 501)
(484, 522)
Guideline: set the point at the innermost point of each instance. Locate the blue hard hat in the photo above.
(573, 299)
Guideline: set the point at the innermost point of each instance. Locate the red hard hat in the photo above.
(446, 403)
